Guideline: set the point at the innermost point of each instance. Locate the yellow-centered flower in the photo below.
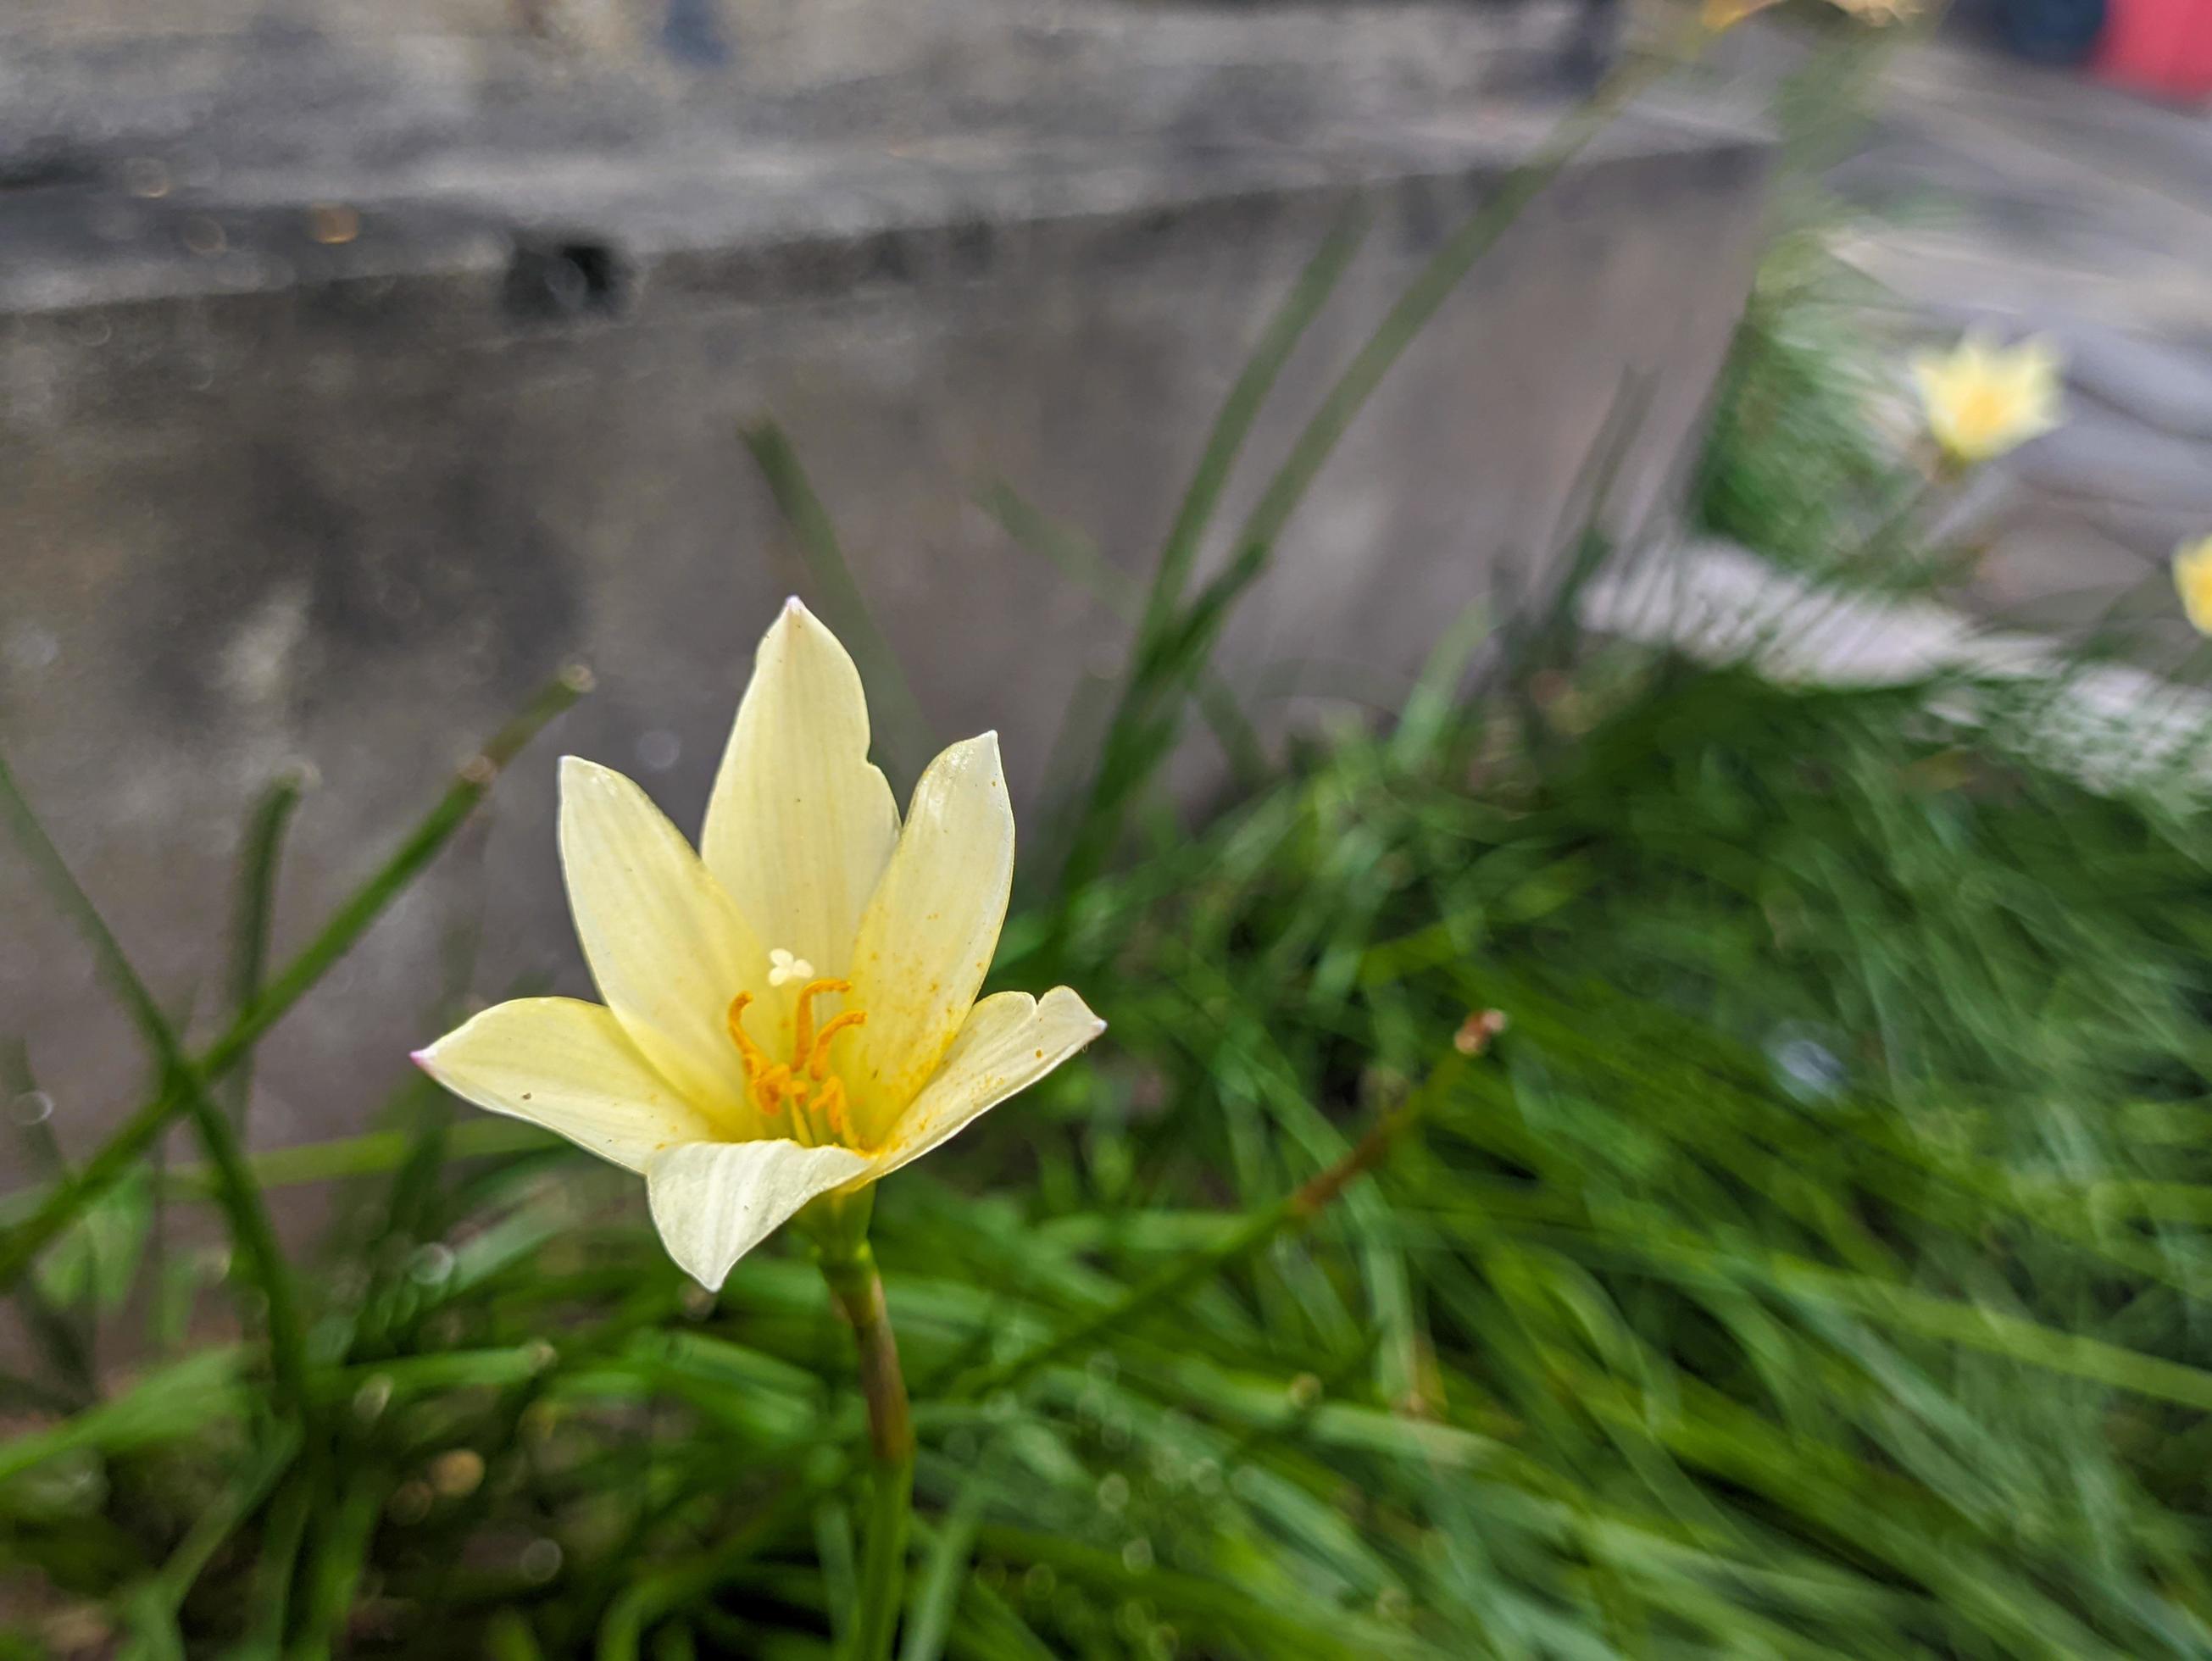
(2192, 581)
(791, 1011)
(1983, 399)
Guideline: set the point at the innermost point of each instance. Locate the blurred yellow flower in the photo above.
(2192, 581)
(791, 1010)
(1982, 400)
(1719, 15)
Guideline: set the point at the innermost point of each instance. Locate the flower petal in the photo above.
(666, 947)
(927, 938)
(1010, 1041)
(714, 1201)
(800, 824)
(2192, 580)
(569, 1066)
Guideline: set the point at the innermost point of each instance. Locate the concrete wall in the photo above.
(271, 497)
(360, 88)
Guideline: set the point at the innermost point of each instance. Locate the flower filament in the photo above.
(815, 1094)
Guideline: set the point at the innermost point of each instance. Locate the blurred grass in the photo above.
(1815, 1269)
(1796, 465)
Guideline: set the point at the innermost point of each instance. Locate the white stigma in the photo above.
(782, 966)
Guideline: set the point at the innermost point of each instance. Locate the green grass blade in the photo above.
(253, 916)
(337, 936)
(240, 1198)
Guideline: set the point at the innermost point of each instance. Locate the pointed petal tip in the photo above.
(794, 621)
(1061, 996)
(713, 1204)
(579, 771)
(1067, 998)
(577, 777)
(983, 747)
(794, 614)
(421, 1057)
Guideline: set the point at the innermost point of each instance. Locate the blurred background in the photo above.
(1435, 499)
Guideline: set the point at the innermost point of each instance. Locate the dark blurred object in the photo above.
(1594, 45)
(2050, 31)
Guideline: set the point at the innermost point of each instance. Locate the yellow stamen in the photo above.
(755, 1058)
(831, 1105)
(820, 1106)
(817, 1060)
(773, 1087)
(802, 1019)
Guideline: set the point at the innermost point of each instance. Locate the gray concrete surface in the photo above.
(273, 90)
(270, 496)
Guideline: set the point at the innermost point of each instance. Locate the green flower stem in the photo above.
(858, 1290)
(62, 1204)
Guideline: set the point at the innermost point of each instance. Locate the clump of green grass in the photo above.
(1796, 465)
(1838, 1172)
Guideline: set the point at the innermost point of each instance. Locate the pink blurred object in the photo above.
(2159, 47)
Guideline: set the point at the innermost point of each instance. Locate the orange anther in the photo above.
(772, 1086)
